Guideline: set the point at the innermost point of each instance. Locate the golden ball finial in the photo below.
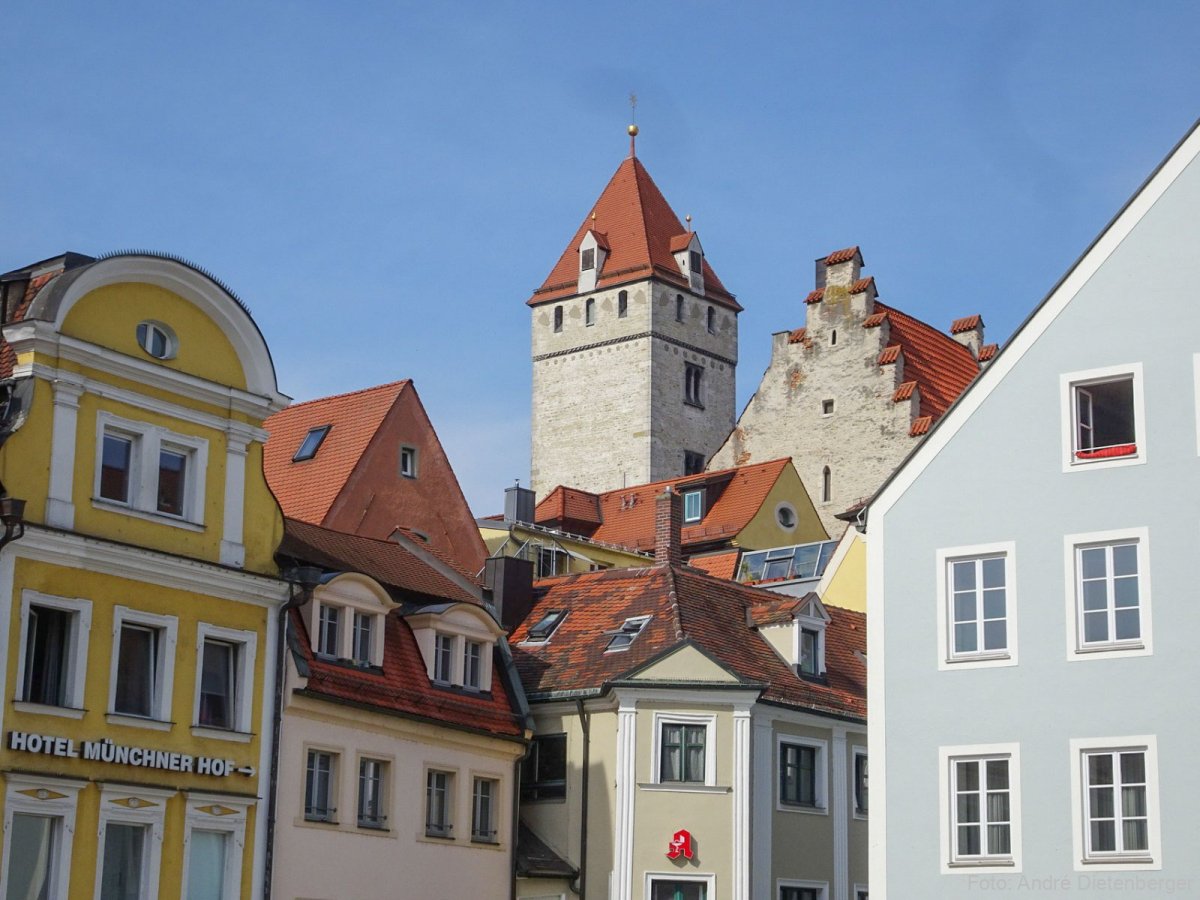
(633, 130)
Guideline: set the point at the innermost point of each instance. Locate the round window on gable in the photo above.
(157, 340)
(785, 515)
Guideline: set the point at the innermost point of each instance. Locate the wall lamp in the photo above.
(12, 515)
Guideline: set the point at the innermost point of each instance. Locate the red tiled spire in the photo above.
(639, 226)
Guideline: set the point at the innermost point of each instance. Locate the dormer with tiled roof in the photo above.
(634, 344)
(847, 392)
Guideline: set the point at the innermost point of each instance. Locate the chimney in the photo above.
(518, 504)
(508, 581)
(668, 521)
(968, 331)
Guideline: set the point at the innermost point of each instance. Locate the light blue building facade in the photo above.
(1034, 623)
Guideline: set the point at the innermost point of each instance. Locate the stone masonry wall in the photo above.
(866, 435)
(608, 400)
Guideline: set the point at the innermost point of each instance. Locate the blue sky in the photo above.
(384, 184)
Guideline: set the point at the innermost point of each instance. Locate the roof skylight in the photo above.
(546, 624)
(623, 637)
(311, 443)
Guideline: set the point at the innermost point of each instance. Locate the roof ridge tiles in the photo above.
(402, 382)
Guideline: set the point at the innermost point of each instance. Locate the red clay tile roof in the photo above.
(965, 324)
(718, 565)
(386, 561)
(565, 504)
(799, 336)
(601, 240)
(889, 355)
(8, 358)
(941, 366)
(639, 225)
(306, 490)
(875, 320)
(987, 351)
(920, 426)
(904, 392)
(841, 256)
(815, 296)
(860, 286)
(681, 241)
(403, 685)
(627, 514)
(684, 605)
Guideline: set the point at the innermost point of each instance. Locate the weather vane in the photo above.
(633, 129)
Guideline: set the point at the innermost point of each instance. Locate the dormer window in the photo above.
(312, 443)
(592, 251)
(625, 635)
(345, 620)
(810, 622)
(587, 259)
(695, 260)
(546, 626)
(693, 506)
(456, 643)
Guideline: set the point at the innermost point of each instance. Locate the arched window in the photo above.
(826, 485)
(558, 318)
(679, 307)
(712, 321)
(589, 311)
(622, 304)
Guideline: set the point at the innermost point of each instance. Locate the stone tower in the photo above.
(634, 347)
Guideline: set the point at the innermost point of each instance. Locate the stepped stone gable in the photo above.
(634, 346)
(849, 394)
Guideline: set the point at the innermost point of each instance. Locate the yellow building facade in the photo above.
(139, 609)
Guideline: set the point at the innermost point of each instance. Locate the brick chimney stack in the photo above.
(668, 522)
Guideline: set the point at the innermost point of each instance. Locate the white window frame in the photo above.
(698, 494)
(451, 802)
(246, 643)
(223, 814)
(947, 659)
(335, 774)
(820, 774)
(810, 617)
(1152, 858)
(147, 440)
(708, 880)
(129, 805)
(168, 628)
(345, 637)
(53, 798)
(497, 816)
(1144, 646)
(855, 752)
(1068, 382)
(947, 817)
(412, 469)
(77, 657)
(467, 644)
(453, 642)
(821, 887)
(385, 790)
(709, 721)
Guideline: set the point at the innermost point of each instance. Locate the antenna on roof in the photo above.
(633, 129)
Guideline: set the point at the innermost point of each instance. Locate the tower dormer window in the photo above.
(587, 259)
(695, 260)
(589, 311)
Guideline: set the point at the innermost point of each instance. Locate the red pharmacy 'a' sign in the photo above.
(681, 845)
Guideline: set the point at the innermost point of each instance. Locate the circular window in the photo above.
(785, 515)
(156, 339)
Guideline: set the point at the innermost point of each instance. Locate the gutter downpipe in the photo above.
(585, 723)
(304, 580)
(517, 693)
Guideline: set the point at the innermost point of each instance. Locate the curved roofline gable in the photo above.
(357, 586)
(449, 612)
(57, 298)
